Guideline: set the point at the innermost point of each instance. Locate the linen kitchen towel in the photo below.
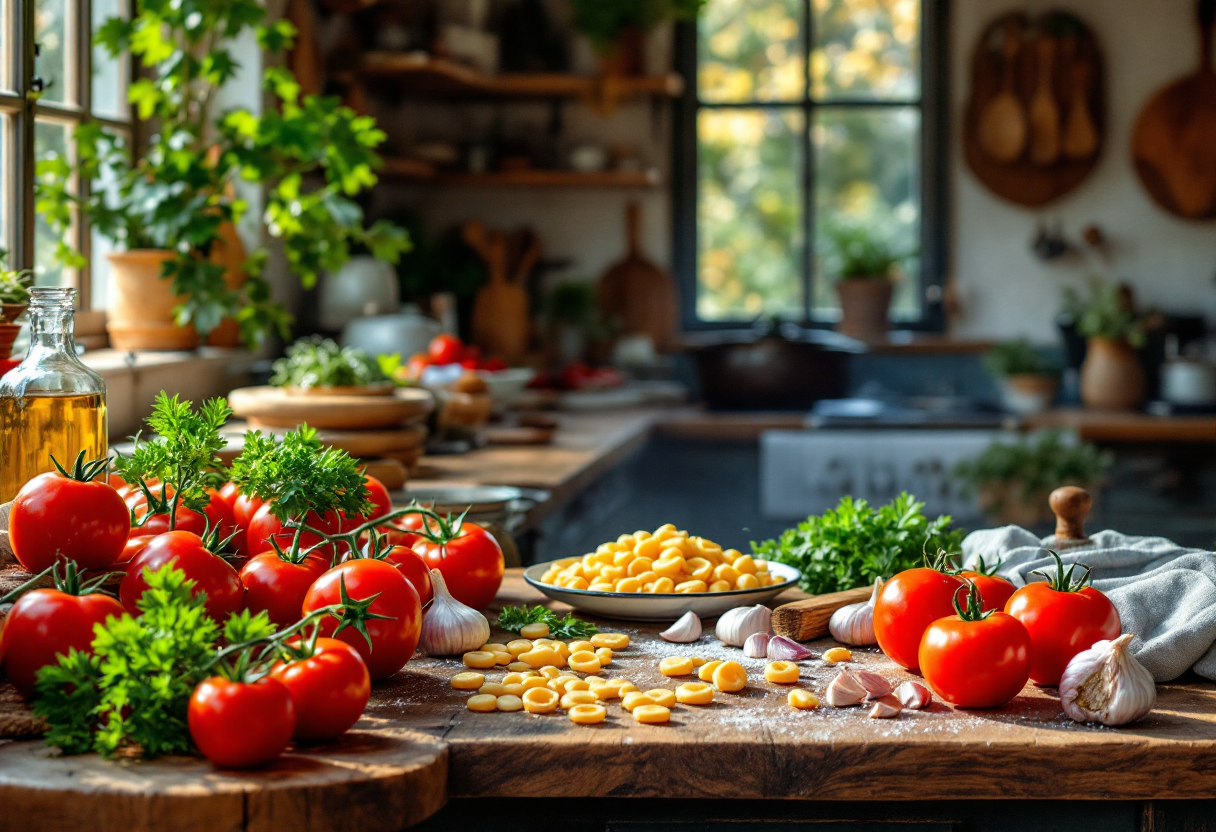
(1165, 593)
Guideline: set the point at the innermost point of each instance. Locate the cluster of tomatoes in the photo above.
(997, 638)
(376, 584)
(445, 350)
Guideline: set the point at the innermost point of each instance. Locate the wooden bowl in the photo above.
(383, 389)
(272, 408)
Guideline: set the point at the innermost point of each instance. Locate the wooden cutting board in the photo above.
(501, 320)
(1174, 140)
(636, 293)
(808, 619)
(272, 408)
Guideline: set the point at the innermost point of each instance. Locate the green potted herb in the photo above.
(14, 298)
(866, 264)
(170, 205)
(1028, 378)
(1112, 377)
(1013, 479)
(318, 366)
(616, 28)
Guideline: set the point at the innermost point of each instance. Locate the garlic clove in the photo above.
(876, 687)
(734, 626)
(450, 628)
(782, 649)
(1107, 684)
(685, 630)
(914, 696)
(756, 646)
(854, 624)
(844, 690)
(885, 709)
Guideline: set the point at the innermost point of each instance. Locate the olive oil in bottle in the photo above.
(50, 404)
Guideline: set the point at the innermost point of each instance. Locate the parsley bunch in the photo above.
(514, 619)
(854, 544)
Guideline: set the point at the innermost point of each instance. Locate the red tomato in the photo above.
(329, 689)
(238, 725)
(55, 517)
(278, 586)
(210, 573)
(417, 364)
(45, 623)
(976, 660)
(219, 513)
(493, 365)
(135, 545)
(472, 563)
(393, 639)
(244, 507)
(1063, 618)
(907, 605)
(229, 492)
(411, 565)
(445, 349)
(265, 526)
(472, 352)
(994, 590)
(382, 504)
(185, 520)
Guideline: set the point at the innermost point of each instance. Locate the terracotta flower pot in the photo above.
(140, 316)
(10, 312)
(1111, 376)
(865, 303)
(627, 55)
(8, 334)
(231, 253)
(1028, 392)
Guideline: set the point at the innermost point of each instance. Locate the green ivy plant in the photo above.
(1106, 313)
(14, 285)
(858, 250)
(603, 21)
(311, 154)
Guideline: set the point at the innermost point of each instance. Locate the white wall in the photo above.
(1005, 291)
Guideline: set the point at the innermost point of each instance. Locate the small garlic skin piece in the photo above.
(914, 696)
(734, 626)
(844, 690)
(450, 628)
(756, 646)
(1107, 684)
(685, 630)
(885, 709)
(854, 624)
(876, 687)
(782, 649)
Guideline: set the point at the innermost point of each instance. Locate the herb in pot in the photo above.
(858, 250)
(1106, 313)
(1019, 358)
(514, 619)
(319, 362)
(853, 544)
(604, 21)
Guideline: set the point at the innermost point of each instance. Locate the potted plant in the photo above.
(1013, 479)
(1027, 377)
(14, 298)
(616, 28)
(866, 265)
(318, 366)
(170, 205)
(1111, 375)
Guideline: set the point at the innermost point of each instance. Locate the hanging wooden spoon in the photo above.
(1002, 123)
(1080, 132)
(1044, 111)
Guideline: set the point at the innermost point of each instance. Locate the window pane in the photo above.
(6, 44)
(109, 74)
(749, 214)
(866, 49)
(50, 139)
(6, 184)
(751, 51)
(867, 171)
(53, 31)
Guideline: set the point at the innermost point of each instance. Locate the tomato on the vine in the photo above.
(468, 556)
(265, 526)
(976, 659)
(135, 545)
(382, 504)
(381, 616)
(239, 724)
(1063, 616)
(277, 585)
(408, 562)
(994, 590)
(189, 552)
(183, 520)
(909, 602)
(329, 689)
(68, 515)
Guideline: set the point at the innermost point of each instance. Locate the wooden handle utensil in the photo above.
(808, 619)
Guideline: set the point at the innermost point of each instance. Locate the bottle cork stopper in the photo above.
(1071, 505)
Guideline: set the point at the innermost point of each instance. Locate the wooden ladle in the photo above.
(1002, 123)
(1044, 110)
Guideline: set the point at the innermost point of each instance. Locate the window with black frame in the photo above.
(808, 120)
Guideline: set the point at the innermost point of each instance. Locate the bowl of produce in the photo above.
(660, 576)
(319, 367)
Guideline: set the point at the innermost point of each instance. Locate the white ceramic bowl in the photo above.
(636, 606)
(505, 386)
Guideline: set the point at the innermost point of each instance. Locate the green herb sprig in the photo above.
(514, 619)
(319, 362)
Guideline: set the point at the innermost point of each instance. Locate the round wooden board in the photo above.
(363, 444)
(271, 407)
(367, 781)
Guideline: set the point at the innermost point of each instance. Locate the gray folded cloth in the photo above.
(1165, 593)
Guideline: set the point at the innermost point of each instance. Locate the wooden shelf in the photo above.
(420, 75)
(1124, 426)
(422, 173)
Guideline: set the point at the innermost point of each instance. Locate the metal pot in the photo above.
(501, 510)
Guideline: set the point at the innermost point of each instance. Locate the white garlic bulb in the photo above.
(736, 625)
(854, 624)
(450, 628)
(1106, 684)
(686, 630)
(756, 646)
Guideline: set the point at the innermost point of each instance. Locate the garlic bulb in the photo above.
(782, 649)
(685, 630)
(844, 690)
(1106, 684)
(876, 686)
(854, 624)
(756, 646)
(913, 695)
(736, 625)
(450, 628)
(885, 710)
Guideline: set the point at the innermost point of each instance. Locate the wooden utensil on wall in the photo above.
(1174, 141)
(501, 324)
(636, 293)
(1002, 130)
(1044, 111)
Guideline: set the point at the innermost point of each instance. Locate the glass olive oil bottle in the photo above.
(51, 403)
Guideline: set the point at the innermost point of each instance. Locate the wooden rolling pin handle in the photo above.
(1070, 505)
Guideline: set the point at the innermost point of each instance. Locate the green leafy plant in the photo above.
(1105, 313)
(312, 155)
(319, 362)
(14, 285)
(514, 619)
(859, 250)
(853, 544)
(1016, 358)
(1034, 465)
(603, 21)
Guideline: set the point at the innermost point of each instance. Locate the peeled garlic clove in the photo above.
(844, 690)
(913, 695)
(1106, 684)
(782, 649)
(736, 625)
(686, 630)
(854, 624)
(876, 687)
(756, 646)
(884, 710)
(450, 628)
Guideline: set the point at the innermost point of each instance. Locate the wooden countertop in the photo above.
(1124, 426)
